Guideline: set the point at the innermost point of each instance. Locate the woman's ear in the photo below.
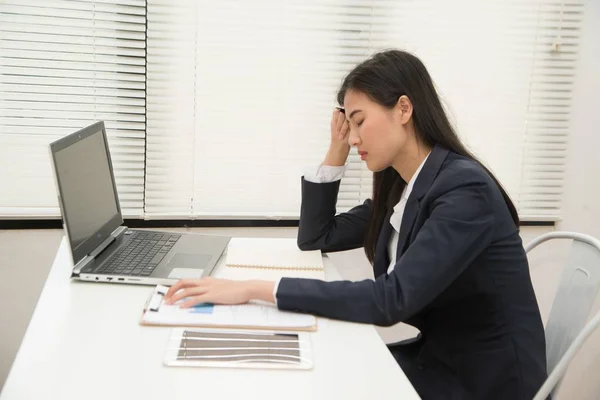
(404, 108)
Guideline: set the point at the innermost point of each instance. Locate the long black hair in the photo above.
(385, 77)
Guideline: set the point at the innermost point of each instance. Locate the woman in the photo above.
(440, 231)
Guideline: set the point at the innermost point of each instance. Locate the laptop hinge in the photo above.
(99, 249)
(81, 265)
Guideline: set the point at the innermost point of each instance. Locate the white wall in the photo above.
(581, 198)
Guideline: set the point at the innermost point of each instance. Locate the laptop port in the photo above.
(109, 278)
(121, 279)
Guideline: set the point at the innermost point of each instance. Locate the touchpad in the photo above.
(185, 266)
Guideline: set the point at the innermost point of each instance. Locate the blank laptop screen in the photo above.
(86, 186)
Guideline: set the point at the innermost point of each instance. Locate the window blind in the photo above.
(249, 91)
(547, 126)
(250, 88)
(239, 94)
(266, 77)
(63, 66)
(505, 71)
(171, 89)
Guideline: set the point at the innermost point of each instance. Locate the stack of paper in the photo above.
(208, 315)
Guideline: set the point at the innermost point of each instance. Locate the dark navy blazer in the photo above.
(461, 278)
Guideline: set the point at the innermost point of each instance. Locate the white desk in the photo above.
(84, 341)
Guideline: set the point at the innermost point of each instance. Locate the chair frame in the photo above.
(555, 377)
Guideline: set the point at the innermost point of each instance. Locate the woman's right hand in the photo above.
(339, 147)
(339, 128)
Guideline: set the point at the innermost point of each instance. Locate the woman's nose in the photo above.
(353, 138)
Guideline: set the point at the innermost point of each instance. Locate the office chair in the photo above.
(578, 287)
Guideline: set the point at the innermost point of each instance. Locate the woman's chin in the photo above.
(375, 167)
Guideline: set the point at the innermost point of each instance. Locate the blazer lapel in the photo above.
(382, 259)
(424, 181)
(408, 221)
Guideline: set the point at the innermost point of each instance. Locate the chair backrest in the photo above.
(575, 296)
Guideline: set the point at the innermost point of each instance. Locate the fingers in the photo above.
(173, 289)
(334, 119)
(192, 301)
(340, 119)
(344, 130)
(188, 292)
(185, 283)
(339, 124)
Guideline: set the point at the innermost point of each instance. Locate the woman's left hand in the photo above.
(218, 291)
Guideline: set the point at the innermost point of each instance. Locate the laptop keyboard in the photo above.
(141, 255)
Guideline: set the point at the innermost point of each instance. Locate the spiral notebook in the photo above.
(279, 254)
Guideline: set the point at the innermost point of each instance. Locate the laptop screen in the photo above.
(89, 202)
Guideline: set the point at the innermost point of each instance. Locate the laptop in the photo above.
(103, 249)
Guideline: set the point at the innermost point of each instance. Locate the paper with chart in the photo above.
(208, 315)
(281, 253)
(228, 348)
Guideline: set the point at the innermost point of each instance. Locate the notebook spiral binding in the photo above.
(267, 267)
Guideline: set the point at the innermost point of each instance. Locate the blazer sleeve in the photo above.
(321, 229)
(458, 230)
